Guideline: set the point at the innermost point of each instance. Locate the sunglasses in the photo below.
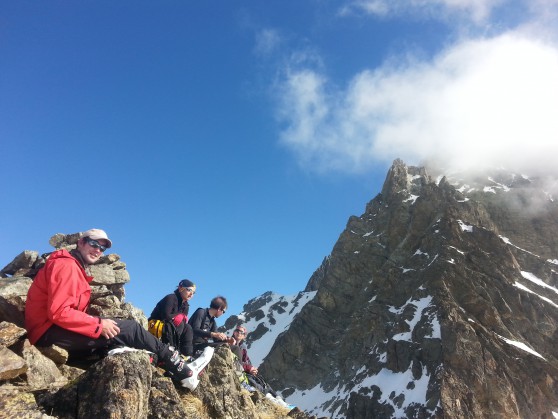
(224, 310)
(192, 290)
(240, 332)
(95, 244)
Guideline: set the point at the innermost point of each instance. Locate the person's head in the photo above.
(92, 244)
(219, 305)
(239, 333)
(187, 289)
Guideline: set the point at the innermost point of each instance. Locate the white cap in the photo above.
(97, 234)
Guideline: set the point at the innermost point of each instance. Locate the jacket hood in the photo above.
(64, 254)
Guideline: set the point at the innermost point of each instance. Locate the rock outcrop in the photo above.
(47, 383)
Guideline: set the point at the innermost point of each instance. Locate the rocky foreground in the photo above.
(47, 383)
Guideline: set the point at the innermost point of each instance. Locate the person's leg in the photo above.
(186, 335)
(69, 340)
(255, 383)
(131, 334)
(170, 335)
(199, 347)
(267, 387)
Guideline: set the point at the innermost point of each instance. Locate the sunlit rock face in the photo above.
(439, 301)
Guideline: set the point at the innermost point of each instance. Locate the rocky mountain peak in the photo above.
(440, 300)
(401, 178)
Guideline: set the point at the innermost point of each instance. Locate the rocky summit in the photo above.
(47, 382)
(439, 301)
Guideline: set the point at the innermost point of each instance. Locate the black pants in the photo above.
(131, 334)
(180, 337)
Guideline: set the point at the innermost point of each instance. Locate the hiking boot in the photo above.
(279, 401)
(176, 366)
(283, 403)
(198, 364)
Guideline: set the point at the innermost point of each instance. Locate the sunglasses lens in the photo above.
(95, 244)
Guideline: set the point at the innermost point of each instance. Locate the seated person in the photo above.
(256, 381)
(55, 310)
(238, 337)
(204, 325)
(172, 310)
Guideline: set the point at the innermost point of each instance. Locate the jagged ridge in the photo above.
(440, 300)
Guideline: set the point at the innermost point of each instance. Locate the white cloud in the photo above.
(480, 102)
(373, 7)
(474, 10)
(267, 40)
(544, 10)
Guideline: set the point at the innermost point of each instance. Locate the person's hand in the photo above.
(109, 328)
(179, 318)
(231, 341)
(254, 371)
(219, 336)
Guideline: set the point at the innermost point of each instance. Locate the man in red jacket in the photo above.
(55, 310)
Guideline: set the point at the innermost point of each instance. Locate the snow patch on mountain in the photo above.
(521, 346)
(423, 309)
(279, 312)
(398, 390)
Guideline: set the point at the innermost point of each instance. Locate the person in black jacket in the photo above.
(173, 311)
(204, 326)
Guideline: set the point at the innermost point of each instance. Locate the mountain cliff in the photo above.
(440, 300)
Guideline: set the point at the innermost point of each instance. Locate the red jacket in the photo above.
(59, 295)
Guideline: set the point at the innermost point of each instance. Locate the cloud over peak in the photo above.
(480, 102)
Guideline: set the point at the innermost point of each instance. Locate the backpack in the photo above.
(155, 327)
(260, 384)
(166, 331)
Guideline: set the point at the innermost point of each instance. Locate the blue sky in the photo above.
(229, 142)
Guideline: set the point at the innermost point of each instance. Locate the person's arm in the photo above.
(68, 299)
(246, 363)
(196, 321)
(169, 307)
(217, 336)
